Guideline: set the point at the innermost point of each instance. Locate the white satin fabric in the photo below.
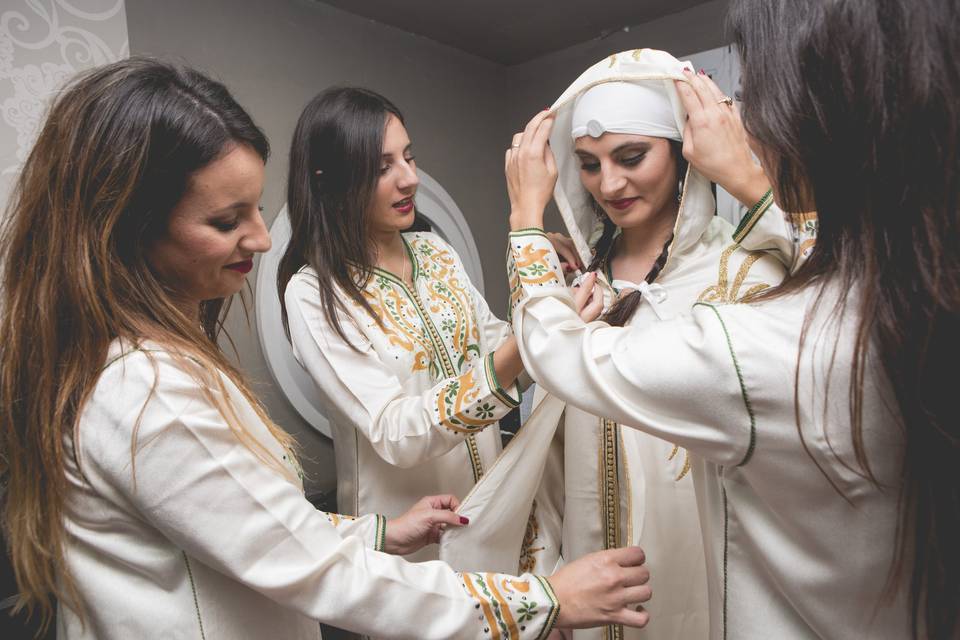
(798, 544)
(202, 539)
(601, 485)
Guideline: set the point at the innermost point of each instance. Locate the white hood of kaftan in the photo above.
(642, 66)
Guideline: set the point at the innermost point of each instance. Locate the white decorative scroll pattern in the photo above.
(43, 43)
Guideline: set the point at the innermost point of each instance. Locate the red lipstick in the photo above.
(623, 203)
(404, 206)
(243, 266)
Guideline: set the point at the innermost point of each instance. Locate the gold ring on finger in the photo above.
(727, 100)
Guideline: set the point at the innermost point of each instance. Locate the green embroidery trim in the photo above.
(475, 461)
(414, 263)
(554, 612)
(498, 391)
(743, 388)
(529, 231)
(380, 541)
(439, 348)
(726, 529)
(752, 216)
(193, 588)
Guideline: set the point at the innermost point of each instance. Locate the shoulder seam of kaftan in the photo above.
(753, 216)
(743, 388)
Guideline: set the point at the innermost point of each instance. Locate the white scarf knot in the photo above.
(654, 293)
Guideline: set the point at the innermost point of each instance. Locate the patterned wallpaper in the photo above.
(42, 44)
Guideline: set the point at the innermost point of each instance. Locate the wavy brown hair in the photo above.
(857, 104)
(115, 155)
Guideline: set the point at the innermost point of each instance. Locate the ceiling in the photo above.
(510, 32)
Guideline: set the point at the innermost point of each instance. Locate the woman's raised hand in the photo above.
(531, 172)
(422, 524)
(715, 142)
(604, 587)
(588, 298)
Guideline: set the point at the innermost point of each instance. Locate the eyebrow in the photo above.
(405, 149)
(643, 146)
(236, 205)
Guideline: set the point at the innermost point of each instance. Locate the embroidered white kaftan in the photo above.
(788, 555)
(414, 408)
(605, 486)
(202, 539)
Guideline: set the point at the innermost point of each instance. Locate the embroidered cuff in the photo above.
(380, 537)
(752, 216)
(531, 263)
(361, 527)
(512, 608)
(474, 400)
(511, 400)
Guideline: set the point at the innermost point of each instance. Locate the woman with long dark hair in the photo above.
(145, 487)
(821, 415)
(414, 368)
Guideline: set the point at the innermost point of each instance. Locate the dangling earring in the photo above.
(679, 190)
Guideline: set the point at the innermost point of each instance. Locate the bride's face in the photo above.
(632, 177)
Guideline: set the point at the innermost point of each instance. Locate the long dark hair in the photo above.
(623, 309)
(856, 103)
(113, 158)
(335, 162)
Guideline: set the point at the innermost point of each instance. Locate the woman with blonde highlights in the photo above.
(146, 488)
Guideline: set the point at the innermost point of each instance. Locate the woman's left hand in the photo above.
(422, 524)
(715, 142)
(531, 172)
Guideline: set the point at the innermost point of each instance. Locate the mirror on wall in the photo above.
(435, 208)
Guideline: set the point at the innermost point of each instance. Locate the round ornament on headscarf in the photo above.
(629, 92)
(639, 108)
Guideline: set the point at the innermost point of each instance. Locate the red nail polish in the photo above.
(464, 520)
(687, 70)
(702, 72)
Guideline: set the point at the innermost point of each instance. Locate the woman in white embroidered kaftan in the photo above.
(172, 505)
(780, 404)
(414, 369)
(617, 141)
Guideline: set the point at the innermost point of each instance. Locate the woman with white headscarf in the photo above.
(643, 220)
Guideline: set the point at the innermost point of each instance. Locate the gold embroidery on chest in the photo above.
(686, 460)
(400, 322)
(449, 300)
(725, 292)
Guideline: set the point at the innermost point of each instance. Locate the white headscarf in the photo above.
(640, 108)
(629, 92)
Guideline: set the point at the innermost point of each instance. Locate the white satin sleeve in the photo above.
(790, 237)
(676, 379)
(200, 487)
(404, 429)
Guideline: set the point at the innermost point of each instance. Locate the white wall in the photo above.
(42, 44)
